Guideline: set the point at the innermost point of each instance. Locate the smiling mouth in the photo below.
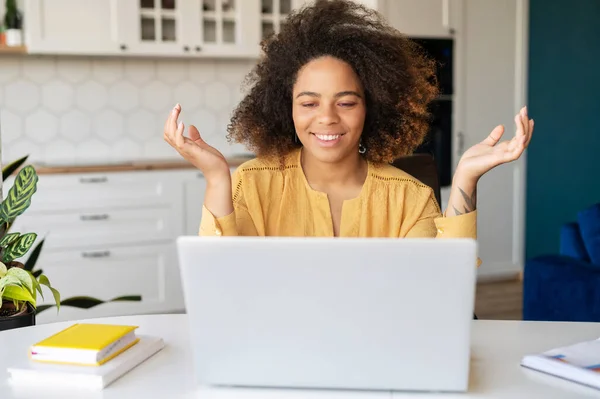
(328, 137)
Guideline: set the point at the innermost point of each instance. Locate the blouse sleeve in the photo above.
(431, 223)
(237, 223)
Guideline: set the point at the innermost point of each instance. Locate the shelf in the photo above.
(212, 16)
(12, 50)
(150, 13)
(271, 17)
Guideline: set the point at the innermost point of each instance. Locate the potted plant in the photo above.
(23, 314)
(19, 287)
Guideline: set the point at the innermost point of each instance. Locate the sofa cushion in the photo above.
(589, 225)
(571, 243)
(560, 288)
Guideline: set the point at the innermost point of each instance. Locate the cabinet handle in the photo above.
(96, 254)
(186, 48)
(86, 218)
(198, 48)
(102, 179)
(123, 47)
(446, 14)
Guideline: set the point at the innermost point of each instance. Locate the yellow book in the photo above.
(85, 344)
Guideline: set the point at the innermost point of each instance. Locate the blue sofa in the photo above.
(566, 286)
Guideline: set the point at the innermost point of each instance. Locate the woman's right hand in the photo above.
(195, 150)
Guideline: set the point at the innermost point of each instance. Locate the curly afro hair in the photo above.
(398, 79)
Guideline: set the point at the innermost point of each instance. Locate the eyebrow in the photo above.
(337, 95)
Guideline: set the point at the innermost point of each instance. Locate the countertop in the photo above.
(126, 166)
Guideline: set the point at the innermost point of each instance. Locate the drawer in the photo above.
(74, 191)
(102, 227)
(112, 271)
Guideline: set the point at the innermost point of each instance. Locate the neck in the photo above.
(349, 171)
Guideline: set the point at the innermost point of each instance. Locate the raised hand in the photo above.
(489, 153)
(195, 150)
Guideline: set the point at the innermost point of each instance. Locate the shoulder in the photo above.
(265, 166)
(398, 184)
(392, 176)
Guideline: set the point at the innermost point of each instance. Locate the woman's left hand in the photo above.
(489, 153)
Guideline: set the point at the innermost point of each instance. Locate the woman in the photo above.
(337, 96)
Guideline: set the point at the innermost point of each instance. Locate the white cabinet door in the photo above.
(72, 26)
(226, 28)
(156, 27)
(110, 272)
(194, 188)
(421, 18)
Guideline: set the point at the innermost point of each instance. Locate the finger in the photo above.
(494, 136)
(172, 123)
(519, 134)
(530, 133)
(525, 122)
(195, 134)
(179, 139)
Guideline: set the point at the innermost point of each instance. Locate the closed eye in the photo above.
(347, 105)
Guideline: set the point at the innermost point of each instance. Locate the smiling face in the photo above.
(329, 109)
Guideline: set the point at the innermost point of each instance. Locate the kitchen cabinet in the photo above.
(72, 26)
(177, 28)
(165, 28)
(196, 28)
(109, 235)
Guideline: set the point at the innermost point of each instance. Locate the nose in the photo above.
(328, 114)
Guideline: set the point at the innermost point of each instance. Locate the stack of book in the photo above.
(89, 356)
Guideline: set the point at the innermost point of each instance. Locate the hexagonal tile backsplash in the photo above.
(67, 110)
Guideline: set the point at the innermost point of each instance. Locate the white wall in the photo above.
(94, 110)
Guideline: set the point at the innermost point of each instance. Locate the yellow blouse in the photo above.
(269, 200)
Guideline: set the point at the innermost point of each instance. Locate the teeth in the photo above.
(327, 137)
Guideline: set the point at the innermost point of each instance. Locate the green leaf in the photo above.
(35, 254)
(44, 280)
(41, 308)
(19, 195)
(8, 239)
(23, 277)
(3, 270)
(11, 167)
(18, 294)
(36, 285)
(8, 281)
(19, 247)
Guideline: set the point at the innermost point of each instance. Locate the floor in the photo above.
(500, 300)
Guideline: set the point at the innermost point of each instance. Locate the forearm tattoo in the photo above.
(470, 202)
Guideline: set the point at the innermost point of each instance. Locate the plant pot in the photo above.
(25, 318)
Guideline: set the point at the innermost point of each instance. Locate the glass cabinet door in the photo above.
(273, 14)
(153, 27)
(228, 27)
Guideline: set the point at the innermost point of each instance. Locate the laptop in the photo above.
(324, 313)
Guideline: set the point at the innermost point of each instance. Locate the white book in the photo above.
(31, 374)
(579, 363)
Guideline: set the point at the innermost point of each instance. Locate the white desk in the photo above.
(495, 372)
